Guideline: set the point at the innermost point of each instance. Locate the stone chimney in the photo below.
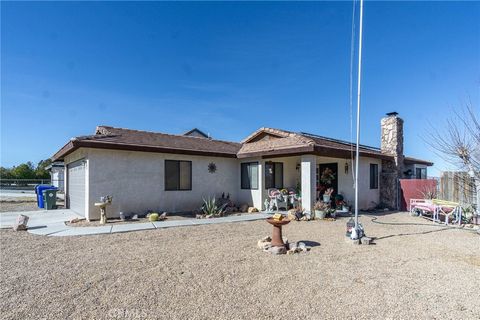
(392, 144)
(392, 136)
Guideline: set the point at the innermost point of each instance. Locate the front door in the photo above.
(327, 178)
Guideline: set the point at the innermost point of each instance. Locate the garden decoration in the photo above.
(277, 221)
(104, 202)
(321, 208)
(327, 176)
(327, 195)
(212, 167)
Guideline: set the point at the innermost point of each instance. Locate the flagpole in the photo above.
(357, 151)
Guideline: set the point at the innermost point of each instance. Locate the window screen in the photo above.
(178, 175)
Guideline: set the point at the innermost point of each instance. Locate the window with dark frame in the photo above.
(373, 176)
(249, 175)
(178, 175)
(421, 173)
(273, 175)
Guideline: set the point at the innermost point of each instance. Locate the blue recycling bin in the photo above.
(39, 191)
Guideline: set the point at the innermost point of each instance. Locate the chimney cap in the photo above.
(392, 114)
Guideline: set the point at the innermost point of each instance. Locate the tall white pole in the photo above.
(357, 151)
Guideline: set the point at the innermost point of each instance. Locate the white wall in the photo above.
(57, 177)
(256, 198)
(136, 181)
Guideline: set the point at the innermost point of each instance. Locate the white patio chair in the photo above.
(276, 199)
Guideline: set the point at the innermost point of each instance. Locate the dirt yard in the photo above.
(18, 205)
(217, 272)
(21, 204)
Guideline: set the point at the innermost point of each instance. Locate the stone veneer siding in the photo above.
(392, 143)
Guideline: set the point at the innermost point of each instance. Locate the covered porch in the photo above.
(309, 164)
(308, 176)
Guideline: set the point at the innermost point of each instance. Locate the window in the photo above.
(373, 176)
(273, 175)
(421, 173)
(249, 175)
(178, 175)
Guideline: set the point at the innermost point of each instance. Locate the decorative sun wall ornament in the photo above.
(212, 167)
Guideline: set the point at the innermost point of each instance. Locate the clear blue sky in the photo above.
(228, 69)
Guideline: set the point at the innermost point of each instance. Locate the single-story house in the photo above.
(164, 172)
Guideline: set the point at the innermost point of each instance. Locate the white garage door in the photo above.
(76, 186)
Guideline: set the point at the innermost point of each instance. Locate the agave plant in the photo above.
(211, 208)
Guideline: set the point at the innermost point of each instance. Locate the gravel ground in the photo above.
(22, 204)
(18, 205)
(216, 271)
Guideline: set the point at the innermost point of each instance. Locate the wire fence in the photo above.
(23, 184)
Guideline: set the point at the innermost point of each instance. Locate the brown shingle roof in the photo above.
(126, 139)
(265, 142)
(284, 142)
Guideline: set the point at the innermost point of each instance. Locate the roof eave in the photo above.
(75, 144)
(276, 152)
(68, 148)
(418, 161)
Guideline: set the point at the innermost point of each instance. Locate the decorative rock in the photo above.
(292, 214)
(366, 240)
(229, 210)
(21, 223)
(292, 246)
(263, 243)
(74, 220)
(162, 217)
(199, 216)
(302, 246)
(243, 208)
(278, 250)
(252, 210)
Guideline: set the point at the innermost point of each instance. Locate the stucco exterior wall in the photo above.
(136, 180)
(256, 198)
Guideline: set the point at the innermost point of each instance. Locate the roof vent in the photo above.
(392, 114)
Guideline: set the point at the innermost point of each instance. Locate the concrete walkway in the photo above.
(52, 223)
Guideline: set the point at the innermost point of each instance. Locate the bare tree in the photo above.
(458, 142)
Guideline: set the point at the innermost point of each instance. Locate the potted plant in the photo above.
(327, 195)
(321, 209)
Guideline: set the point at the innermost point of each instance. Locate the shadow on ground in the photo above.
(310, 243)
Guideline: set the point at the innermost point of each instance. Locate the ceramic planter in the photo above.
(320, 214)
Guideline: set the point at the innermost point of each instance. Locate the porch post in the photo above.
(308, 171)
(261, 186)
